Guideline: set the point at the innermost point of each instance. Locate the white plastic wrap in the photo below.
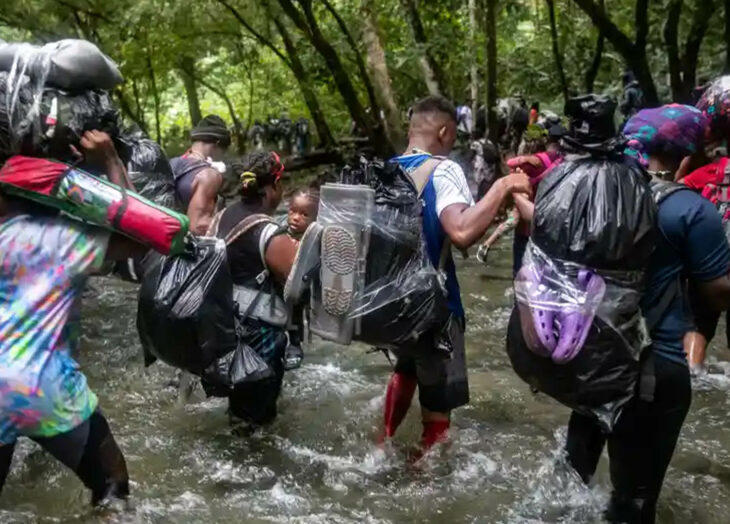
(376, 276)
(577, 333)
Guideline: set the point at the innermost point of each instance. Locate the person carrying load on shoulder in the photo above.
(712, 182)
(260, 256)
(690, 243)
(46, 258)
(199, 172)
(449, 217)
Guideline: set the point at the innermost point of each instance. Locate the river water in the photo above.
(318, 461)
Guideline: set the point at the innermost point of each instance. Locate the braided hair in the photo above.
(256, 171)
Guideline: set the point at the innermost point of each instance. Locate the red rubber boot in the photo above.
(434, 431)
(398, 398)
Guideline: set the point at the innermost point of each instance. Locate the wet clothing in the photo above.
(446, 186)
(185, 168)
(692, 244)
(254, 402)
(640, 446)
(45, 263)
(90, 451)
(441, 376)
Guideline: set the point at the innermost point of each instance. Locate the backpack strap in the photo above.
(421, 175)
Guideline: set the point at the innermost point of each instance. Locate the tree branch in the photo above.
(600, 19)
(700, 23)
(671, 42)
(261, 38)
(641, 15)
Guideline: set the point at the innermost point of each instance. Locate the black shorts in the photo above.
(441, 376)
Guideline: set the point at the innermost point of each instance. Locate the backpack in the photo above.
(719, 194)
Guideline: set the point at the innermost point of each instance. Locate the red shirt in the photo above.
(707, 179)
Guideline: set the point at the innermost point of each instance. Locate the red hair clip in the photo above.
(278, 169)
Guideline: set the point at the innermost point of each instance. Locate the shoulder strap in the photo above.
(661, 189)
(422, 173)
(245, 225)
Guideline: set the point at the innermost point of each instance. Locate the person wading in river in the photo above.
(45, 259)
(449, 217)
(199, 172)
(260, 256)
(691, 243)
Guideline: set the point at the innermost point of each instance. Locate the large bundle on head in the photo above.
(576, 333)
(50, 95)
(375, 283)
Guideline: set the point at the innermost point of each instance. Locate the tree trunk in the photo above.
(633, 53)
(491, 30)
(374, 105)
(187, 70)
(155, 96)
(307, 23)
(432, 73)
(556, 49)
(727, 36)
(292, 61)
(326, 140)
(473, 69)
(381, 77)
(592, 72)
(671, 42)
(127, 110)
(697, 32)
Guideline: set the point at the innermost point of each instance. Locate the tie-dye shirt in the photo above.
(44, 262)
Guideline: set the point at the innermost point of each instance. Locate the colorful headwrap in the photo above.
(673, 129)
(715, 105)
(278, 169)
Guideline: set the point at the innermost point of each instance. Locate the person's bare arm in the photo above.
(203, 202)
(280, 255)
(99, 150)
(717, 292)
(122, 248)
(465, 225)
(525, 207)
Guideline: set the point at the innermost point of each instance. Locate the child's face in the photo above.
(301, 214)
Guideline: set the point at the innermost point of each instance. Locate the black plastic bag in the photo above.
(148, 168)
(403, 298)
(58, 121)
(70, 64)
(596, 211)
(241, 366)
(185, 315)
(598, 382)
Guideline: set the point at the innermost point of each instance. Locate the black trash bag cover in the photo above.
(49, 133)
(598, 212)
(403, 298)
(148, 168)
(591, 118)
(185, 315)
(69, 64)
(241, 366)
(598, 382)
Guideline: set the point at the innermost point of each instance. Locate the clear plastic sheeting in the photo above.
(38, 119)
(70, 64)
(376, 276)
(577, 333)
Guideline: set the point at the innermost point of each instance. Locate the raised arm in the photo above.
(465, 225)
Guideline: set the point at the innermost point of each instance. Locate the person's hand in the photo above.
(293, 357)
(518, 182)
(98, 148)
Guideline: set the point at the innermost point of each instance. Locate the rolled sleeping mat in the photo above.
(86, 197)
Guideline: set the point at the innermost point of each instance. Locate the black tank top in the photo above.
(244, 257)
(185, 169)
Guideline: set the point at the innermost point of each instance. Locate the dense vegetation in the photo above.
(343, 61)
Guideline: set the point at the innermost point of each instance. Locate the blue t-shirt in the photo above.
(692, 243)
